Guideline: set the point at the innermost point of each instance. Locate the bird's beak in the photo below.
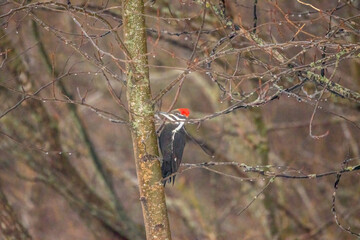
(166, 115)
(162, 113)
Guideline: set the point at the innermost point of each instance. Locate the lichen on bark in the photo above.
(141, 114)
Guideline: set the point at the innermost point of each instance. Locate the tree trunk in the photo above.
(141, 110)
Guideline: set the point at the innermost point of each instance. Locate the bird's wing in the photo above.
(180, 139)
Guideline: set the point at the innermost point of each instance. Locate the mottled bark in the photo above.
(141, 110)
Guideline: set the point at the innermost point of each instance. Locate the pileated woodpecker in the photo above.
(172, 141)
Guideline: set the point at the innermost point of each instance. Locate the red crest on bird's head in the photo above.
(184, 111)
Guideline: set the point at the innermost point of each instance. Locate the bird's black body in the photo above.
(172, 141)
(172, 146)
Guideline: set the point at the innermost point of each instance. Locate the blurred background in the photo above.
(271, 85)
